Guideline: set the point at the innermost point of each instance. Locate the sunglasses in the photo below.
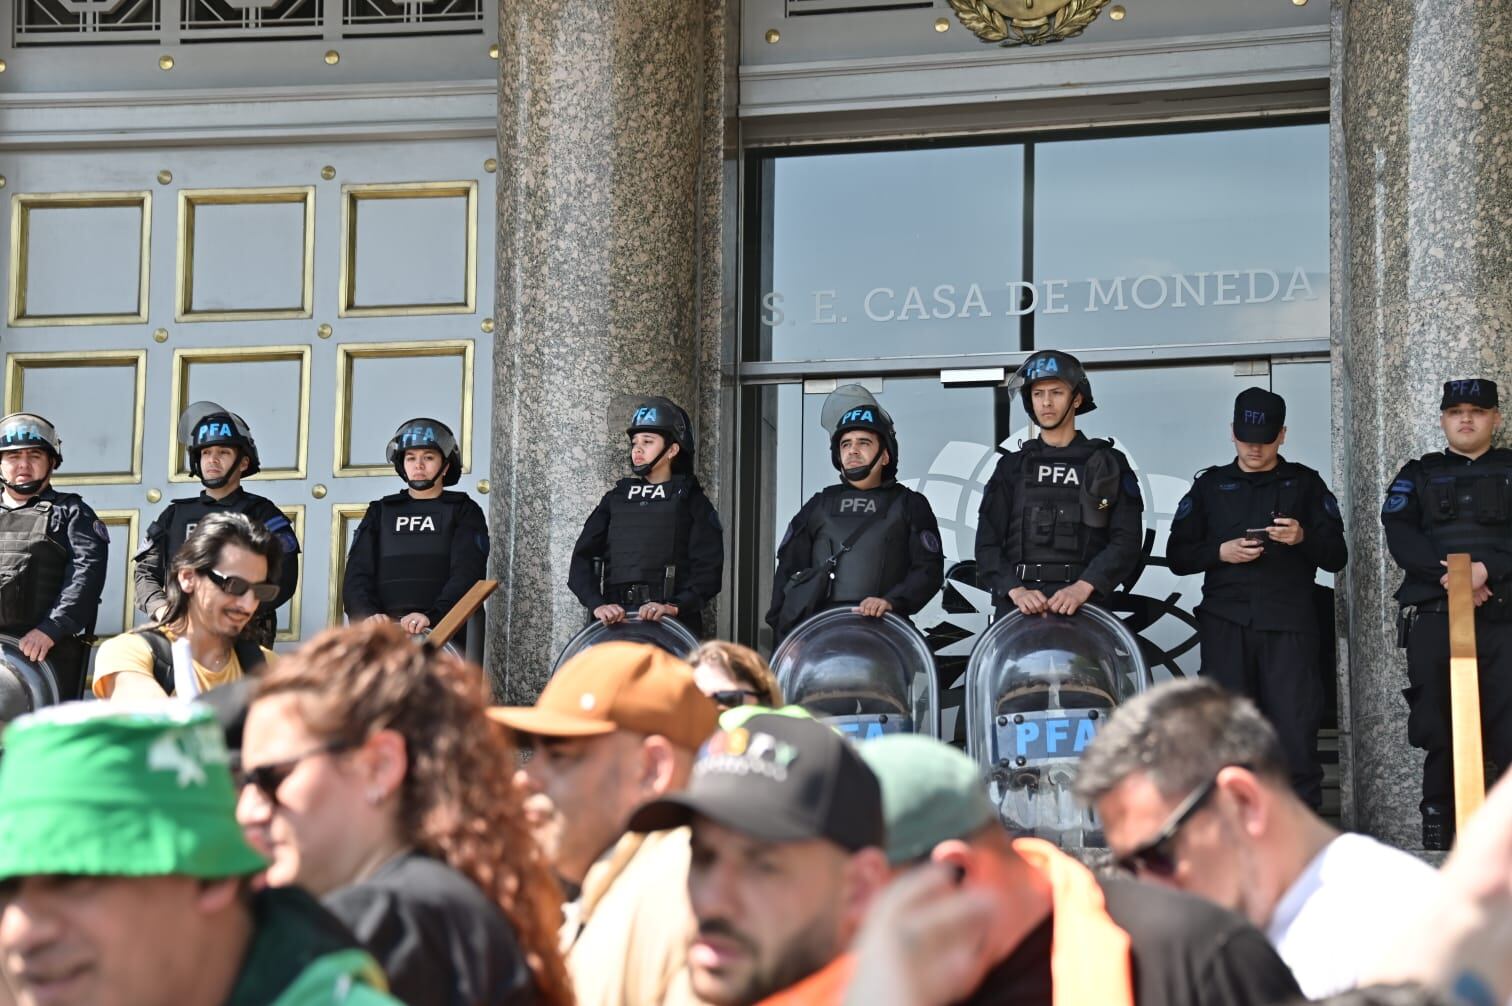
(734, 697)
(237, 586)
(1157, 857)
(269, 778)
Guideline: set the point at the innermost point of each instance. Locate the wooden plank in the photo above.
(1464, 693)
(461, 612)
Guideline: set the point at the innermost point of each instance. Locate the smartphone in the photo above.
(1258, 535)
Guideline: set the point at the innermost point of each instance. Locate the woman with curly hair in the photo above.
(374, 780)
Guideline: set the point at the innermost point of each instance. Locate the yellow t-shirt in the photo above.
(129, 653)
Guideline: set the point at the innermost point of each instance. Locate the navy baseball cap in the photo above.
(778, 778)
(1470, 391)
(1258, 416)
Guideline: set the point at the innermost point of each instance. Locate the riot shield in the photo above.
(845, 398)
(25, 685)
(669, 634)
(864, 676)
(1038, 688)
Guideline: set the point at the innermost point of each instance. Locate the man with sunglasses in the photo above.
(1194, 792)
(226, 569)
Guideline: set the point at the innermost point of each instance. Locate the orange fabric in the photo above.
(1089, 954)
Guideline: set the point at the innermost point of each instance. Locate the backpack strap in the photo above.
(250, 656)
(162, 657)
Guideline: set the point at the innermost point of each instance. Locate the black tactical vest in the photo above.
(648, 531)
(1466, 508)
(32, 566)
(879, 560)
(1047, 526)
(414, 552)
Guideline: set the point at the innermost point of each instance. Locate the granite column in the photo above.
(1423, 293)
(608, 286)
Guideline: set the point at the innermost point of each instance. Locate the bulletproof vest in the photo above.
(187, 513)
(1466, 508)
(645, 533)
(32, 566)
(414, 552)
(879, 559)
(1047, 526)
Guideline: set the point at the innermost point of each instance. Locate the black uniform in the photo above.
(1257, 621)
(897, 558)
(1437, 505)
(1032, 528)
(639, 530)
(53, 556)
(415, 555)
(174, 525)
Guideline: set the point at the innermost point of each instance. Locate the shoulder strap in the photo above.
(863, 527)
(250, 656)
(162, 657)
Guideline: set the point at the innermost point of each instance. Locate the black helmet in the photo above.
(20, 430)
(655, 414)
(208, 424)
(1052, 364)
(431, 433)
(852, 407)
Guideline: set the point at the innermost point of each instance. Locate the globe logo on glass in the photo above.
(645, 416)
(417, 436)
(858, 416)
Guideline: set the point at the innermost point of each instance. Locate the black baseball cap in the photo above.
(1258, 416)
(778, 779)
(1469, 391)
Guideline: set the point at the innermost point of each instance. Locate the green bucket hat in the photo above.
(109, 789)
(931, 793)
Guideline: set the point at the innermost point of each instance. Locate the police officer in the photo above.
(655, 537)
(1457, 500)
(1060, 520)
(221, 454)
(1260, 528)
(53, 552)
(895, 564)
(418, 551)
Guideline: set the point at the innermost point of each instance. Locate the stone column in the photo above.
(1423, 222)
(610, 126)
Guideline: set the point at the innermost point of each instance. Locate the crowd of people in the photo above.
(357, 825)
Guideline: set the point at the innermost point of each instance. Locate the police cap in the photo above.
(1258, 416)
(1470, 391)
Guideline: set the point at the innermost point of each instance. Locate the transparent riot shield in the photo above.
(846, 398)
(865, 676)
(670, 634)
(1038, 688)
(25, 685)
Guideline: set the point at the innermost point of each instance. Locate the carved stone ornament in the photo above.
(1026, 22)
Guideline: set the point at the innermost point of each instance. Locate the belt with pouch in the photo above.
(1049, 572)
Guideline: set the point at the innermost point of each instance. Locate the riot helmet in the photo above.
(208, 424)
(1038, 689)
(1052, 364)
(664, 417)
(852, 407)
(863, 676)
(427, 433)
(667, 633)
(25, 685)
(22, 430)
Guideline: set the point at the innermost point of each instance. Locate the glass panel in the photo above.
(387, 390)
(1182, 238)
(248, 256)
(411, 251)
(897, 253)
(83, 260)
(99, 448)
(266, 393)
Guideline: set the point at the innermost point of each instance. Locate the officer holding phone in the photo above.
(1259, 529)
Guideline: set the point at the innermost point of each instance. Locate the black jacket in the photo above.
(1274, 591)
(76, 527)
(1414, 549)
(360, 591)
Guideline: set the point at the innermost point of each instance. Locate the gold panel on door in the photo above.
(128, 520)
(17, 365)
(350, 354)
(184, 360)
(21, 310)
(352, 199)
(344, 520)
(290, 633)
(191, 201)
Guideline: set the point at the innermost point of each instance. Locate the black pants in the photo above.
(1428, 699)
(1278, 671)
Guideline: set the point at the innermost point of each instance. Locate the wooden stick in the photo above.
(1464, 694)
(461, 612)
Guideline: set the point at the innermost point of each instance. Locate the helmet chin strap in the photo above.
(219, 483)
(420, 485)
(864, 472)
(1070, 408)
(30, 488)
(641, 471)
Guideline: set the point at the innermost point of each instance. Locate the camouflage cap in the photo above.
(108, 789)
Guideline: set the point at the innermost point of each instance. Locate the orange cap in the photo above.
(618, 686)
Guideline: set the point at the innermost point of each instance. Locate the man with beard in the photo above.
(787, 836)
(53, 551)
(220, 577)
